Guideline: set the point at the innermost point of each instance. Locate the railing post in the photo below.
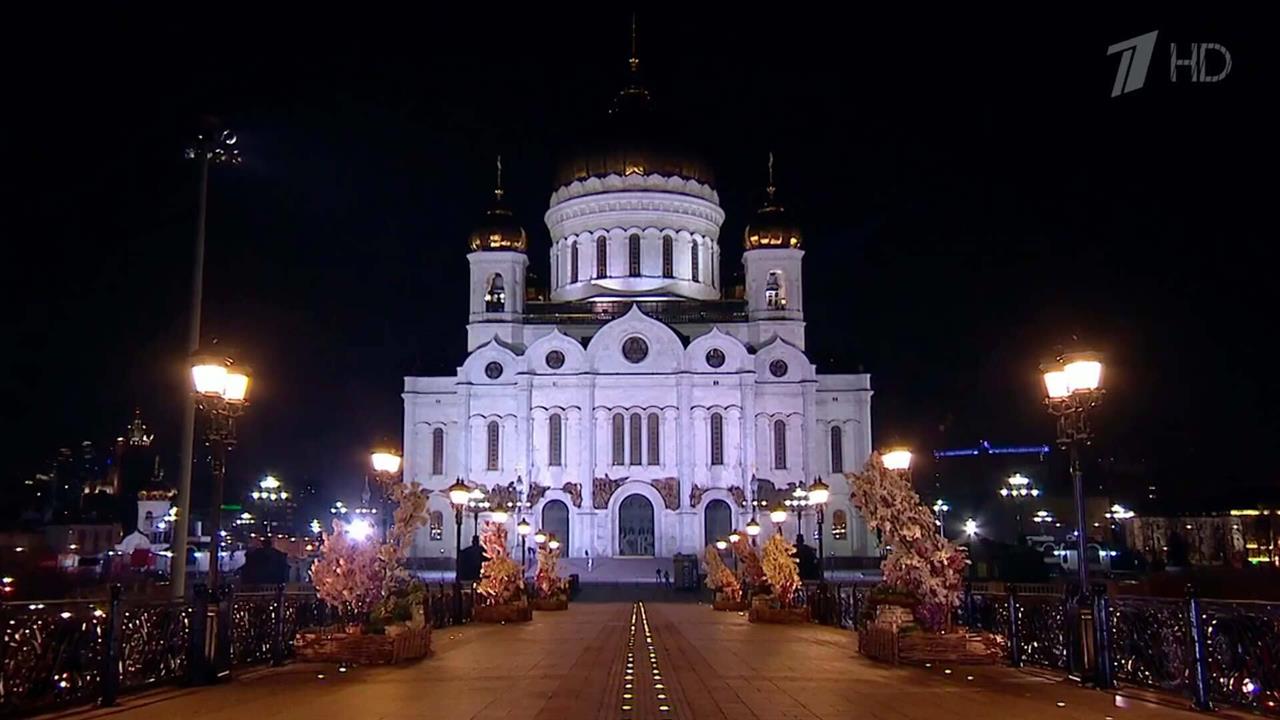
(1199, 654)
(1104, 673)
(1015, 649)
(222, 655)
(111, 651)
(199, 671)
(969, 610)
(277, 633)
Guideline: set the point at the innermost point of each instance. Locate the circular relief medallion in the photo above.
(555, 359)
(493, 370)
(715, 357)
(778, 368)
(635, 349)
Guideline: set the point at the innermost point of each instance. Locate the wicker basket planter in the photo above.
(724, 604)
(763, 611)
(509, 612)
(400, 645)
(551, 604)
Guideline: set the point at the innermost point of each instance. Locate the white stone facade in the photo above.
(639, 381)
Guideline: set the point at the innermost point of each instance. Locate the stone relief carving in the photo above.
(536, 492)
(695, 495)
(669, 489)
(574, 491)
(602, 489)
(502, 496)
(770, 494)
(739, 495)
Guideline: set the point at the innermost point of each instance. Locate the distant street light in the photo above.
(971, 527)
(1018, 488)
(721, 545)
(523, 528)
(360, 529)
(940, 509)
(753, 529)
(269, 495)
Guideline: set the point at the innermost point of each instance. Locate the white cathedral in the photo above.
(640, 410)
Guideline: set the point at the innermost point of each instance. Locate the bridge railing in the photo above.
(74, 652)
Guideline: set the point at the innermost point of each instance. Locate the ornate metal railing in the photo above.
(52, 654)
(1213, 651)
(63, 653)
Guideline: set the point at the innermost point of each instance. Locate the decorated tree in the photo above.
(501, 579)
(719, 577)
(547, 577)
(750, 574)
(780, 567)
(920, 562)
(349, 573)
(359, 574)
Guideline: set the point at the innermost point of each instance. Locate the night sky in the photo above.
(971, 196)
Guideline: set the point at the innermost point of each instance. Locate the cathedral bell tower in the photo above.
(771, 260)
(498, 263)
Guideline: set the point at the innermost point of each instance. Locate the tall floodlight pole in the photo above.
(209, 147)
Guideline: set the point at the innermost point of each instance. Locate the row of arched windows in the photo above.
(634, 257)
(649, 453)
(643, 450)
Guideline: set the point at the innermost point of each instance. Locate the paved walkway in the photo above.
(594, 662)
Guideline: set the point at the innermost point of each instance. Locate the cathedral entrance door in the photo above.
(635, 527)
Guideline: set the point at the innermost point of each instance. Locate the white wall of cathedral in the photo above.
(491, 269)
(676, 385)
(774, 283)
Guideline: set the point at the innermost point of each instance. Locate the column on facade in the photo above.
(747, 433)
(524, 436)
(733, 441)
(462, 441)
(807, 428)
(539, 443)
(764, 448)
(700, 457)
(509, 449)
(670, 440)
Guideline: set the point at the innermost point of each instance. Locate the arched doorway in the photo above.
(635, 527)
(717, 521)
(555, 521)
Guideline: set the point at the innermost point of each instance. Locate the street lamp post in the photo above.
(778, 515)
(818, 495)
(1073, 387)
(753, 529)
(270, 492)
(222, 390)
(1018, 488)
(940, 509)
(386, 463)
(523, 528)
(209, 147)
(459, 493)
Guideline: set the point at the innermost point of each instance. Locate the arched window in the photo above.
(437, 451)
(636, 443)
(694, 273)
(717, 521)
(837, 449)
(654, 445)
(495, 298)
(717, 439)
(555, 521)
(779, 445)
(667, 268)
(619, 440)
(839, 525)
(633, 255)
(602, 257)
(554, 440)
(492, 446)
(775, 292)
(715, 267)
(573, 261)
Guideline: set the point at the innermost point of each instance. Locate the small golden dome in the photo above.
(771, 229)
(498, 230)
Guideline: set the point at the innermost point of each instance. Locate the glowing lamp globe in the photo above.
(819, 492)
(539, 537)
(753, 527)
(476, 494)
(734, 537)
(897, 459)
(269, 483)
(778, 515)
(523, 527)
(235, 387)
(553, 543)
(459, 493)
(500, 516)
(209, 374)
(385, 461)
(360, 529)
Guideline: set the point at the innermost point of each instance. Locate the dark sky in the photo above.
(971, 195)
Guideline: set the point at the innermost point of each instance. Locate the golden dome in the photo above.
(771, 228)
(498, 229)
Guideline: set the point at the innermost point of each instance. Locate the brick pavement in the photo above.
(575, 665)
